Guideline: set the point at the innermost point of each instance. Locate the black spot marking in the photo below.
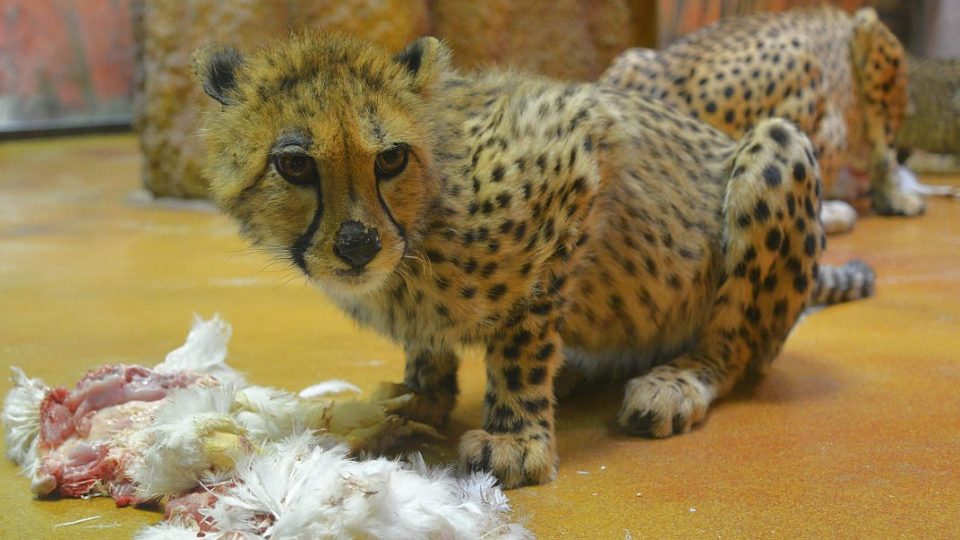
(504, 420)
(800, 283)
(771, 175)
(536, 376)
(513, 375)
(497, 291)
(522, 338)
(520, 231)
(534, 406)
(779, 135)
(810, 245)
(578, 185)
(545, 351)
(761, 212)
(799, 171)
(770, 282)
(497, 173)
(541, 308)
(774, 237)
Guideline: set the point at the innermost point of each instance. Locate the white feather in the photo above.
(166, 531)
(21, 420)
(172, 462)
(269, 413)
(301, 488)
(204, 351)
(910, 183)
(329, 388)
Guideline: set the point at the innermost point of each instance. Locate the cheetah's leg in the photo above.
(773, 239)
(879, 66)
(431, 376)
(516, 443)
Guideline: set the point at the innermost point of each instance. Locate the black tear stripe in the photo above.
(299, 248)
(386, 210)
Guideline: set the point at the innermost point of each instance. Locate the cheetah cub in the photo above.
(543, 220)
(840, 78)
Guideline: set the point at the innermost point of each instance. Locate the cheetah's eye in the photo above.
(298, 169)
(392, 162)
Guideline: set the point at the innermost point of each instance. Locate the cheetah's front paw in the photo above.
(898, 203)
(430, 410)
(664, 402)
(515, 460)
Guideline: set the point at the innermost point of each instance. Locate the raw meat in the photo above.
(88, 436)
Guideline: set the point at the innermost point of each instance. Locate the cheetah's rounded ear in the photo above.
(216, 68)
(425, 59)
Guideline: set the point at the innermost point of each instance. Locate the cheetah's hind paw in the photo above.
(898, 201)
(667, 401)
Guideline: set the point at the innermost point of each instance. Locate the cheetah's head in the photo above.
(322, 150)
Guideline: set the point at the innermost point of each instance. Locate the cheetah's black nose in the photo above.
(356, 244)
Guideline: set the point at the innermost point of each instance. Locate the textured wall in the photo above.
(561, 38)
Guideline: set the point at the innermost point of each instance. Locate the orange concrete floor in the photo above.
(855, 433)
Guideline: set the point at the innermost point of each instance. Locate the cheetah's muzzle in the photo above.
(356, 245)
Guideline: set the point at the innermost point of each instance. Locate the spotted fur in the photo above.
(842, 79)
(535, 218)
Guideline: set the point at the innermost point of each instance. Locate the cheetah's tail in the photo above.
(851, 281)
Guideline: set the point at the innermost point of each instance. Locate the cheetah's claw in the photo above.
(415, 406)
(375, 426)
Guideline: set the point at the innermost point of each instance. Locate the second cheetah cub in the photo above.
(543, 220)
